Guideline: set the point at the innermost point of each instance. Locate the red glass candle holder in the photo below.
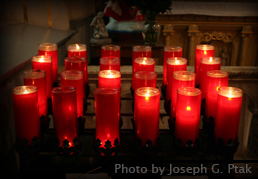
(142, 64)
(202, 51)
(50, 49)
(65, 114)
(75, 78)
(146, 114)
(215, 80)
(26, 114)
(110, 50)
(180, 79)
(207, 64)
(107, 109)
(188, 109)
(77, 50)
(228, 113)
(109, 79)
(44, 63)
(79, 63)
(109, 63)
(169, 52)
(173, 64)
(38, 78)
(145, 79)
(141, 51)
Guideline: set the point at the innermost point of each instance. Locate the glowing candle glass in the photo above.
(44, 63)
(142, 64)
(215, 80)
(107, 109)
(109, 63)
(173, 64)
(38, 78)
(50, 49)
(77, 50)
(109, 79)
(75, 78)
(110, 50)
(78, 63)
(145, 79)
(26, 116)
(207, 64)
(180, 79)
(169, 51)
(228, 113)
(200, 52)
(188, 109)
(146, 113)
(65, 114)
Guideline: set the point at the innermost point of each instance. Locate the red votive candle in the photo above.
(44, 63)
(207, 64)
(50, 49)
(142, 64)
(65, 114)
(37, 78)
(215, 80)
(75, 78)
(145, 79)
(77, 50)
(180, 79)
(141, 51)
(173, 64)
(107, 109)
(78, 63)
(110, 50)
(109, 79)
(188, 109)
(228, 113)
(146, 113)
(109, 63)
(26, 116)
(169, 51)
(200, 52)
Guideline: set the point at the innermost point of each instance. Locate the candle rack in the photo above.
(148, 147)
(108, 150)
(188, 149)
(67, 150)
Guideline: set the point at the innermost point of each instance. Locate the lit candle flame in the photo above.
(217, 88)
(147, 95)
(210, 59)
(26, 91)
(230, 95)
(41, 59)
(109, 74)
(143, 62)
(77, 46)
(177, 61)
(205, 52)
(188, 108)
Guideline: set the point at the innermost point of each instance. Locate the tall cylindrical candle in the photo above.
(173, 64)
(228, 113)
(146, 113)
(65, 114)
(180, 79)
(145, 79)
(207, 64)
(50, 49)
(110, 50)
(77, 50)
(169, 51)
(109, 63)
(78, 63)
(215, 80)
(200, 52)
(26, 116)
(142, 64)
(38, 78)
(44, 63)
(188, 109)
(75, 78)
(109, 79)
(107, 109)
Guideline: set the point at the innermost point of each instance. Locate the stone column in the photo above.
(192, 34)
(168, 32)
(246, 33)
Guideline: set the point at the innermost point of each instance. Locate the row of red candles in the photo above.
(222, 102)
